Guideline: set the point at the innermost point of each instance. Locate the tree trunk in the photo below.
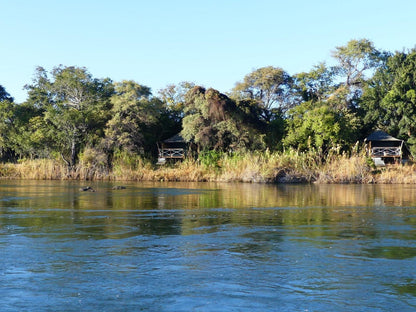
(73, 153)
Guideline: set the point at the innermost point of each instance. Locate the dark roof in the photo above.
(381, 136)
(177, 138)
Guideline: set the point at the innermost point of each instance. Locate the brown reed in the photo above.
(290, 166)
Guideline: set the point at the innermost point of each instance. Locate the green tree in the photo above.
(4, 95)
(389, 98)
(135, 114)
(328, 110)
(213, 121)
(315, 86)
(374, 91)
(264, 96)
(174, 98)
(15, 138)
(7, 115)
(269, 86)
(75, 109)
(26, 124)
(317, 125)
(356, 59)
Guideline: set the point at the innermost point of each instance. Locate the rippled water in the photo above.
(207, 247)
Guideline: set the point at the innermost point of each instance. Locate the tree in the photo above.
(317, 125)
(389, 98)
(269, 86)
(134, 116)
(174, 97)
(26, 125)
(214, 121)
(6, 121)
(265, 96)
(315, 85)
(4, 96)
(355, 59)
(374, 91)
(75, 108)
(7, 115)
(15, 138)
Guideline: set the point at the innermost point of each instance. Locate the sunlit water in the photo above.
(207, 247)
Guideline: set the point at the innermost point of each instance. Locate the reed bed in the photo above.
(346, 169)
(397, 174)
(38, 169)
(290, 166)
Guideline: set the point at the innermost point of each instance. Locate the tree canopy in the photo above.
(389, 97)
(69, 111)
(214, 121)
(269, 86)
(74, 107)
(4, 96)
(134, 112)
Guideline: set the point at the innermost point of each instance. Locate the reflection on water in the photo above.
(207, 247)
(390, 252)
(407, 288)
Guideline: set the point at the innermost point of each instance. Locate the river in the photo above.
(207, 247)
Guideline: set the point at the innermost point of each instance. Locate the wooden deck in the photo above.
(170, 153)
(382, 155)
(377, 152)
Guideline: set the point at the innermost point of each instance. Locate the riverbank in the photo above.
(289, 167)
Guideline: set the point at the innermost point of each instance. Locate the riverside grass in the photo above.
(290, 166)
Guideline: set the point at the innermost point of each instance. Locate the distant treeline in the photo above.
(70, 115)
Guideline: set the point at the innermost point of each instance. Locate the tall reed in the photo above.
(290, 166)
(40, 169)
(398, 174)
(342, 167)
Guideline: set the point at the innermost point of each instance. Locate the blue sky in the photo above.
(211, 43)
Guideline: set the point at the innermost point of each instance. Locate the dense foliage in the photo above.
(70, 114)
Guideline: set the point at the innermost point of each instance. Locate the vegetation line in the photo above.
(271, 127)
(288, 167)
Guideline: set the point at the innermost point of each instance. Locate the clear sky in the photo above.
(213, 43)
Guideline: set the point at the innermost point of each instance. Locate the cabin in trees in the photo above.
(172, 148)
(383, 148)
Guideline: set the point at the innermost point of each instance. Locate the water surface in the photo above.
(207, 247)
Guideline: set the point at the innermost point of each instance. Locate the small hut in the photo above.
(383, 148)
(172, 148)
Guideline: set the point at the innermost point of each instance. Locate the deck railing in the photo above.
(171, 153)
(386, 152)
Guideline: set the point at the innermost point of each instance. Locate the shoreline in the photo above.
(249, 169)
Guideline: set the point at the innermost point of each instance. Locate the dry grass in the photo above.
(266, 167)
(41, 169)
(343, 169)
(290, 166)
(397, 174)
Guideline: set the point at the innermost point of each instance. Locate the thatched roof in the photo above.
(177, 138)
(381, 136)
